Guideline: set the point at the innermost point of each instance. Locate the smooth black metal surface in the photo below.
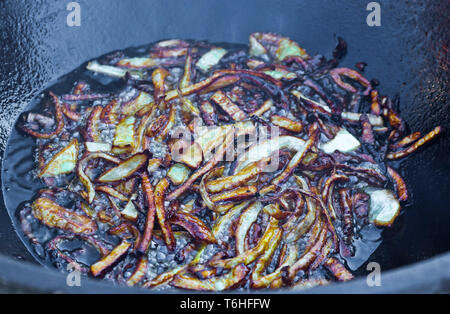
(408, 54)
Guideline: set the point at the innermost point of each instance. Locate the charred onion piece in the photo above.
(151, 212)
(194, 226)
(427, 138)
(59, 122)
(251, 255)
(400, 185)
(56, 216)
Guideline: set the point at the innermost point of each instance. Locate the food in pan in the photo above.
(211, 168)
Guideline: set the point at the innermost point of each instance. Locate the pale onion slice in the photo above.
(93, 147)
(356, 116)
(178, 173)
(153, 164)
(125, 169)
(63, 162)
(256, 49)
(276, 46)
(124, 134)
(192, 156)
(210, 59)
(288, 48)
(142, 100)
(279, 74)
(109, 70)
(384, 206)
(130, 212)
(248, 217)
(344, 142)
(137, 62)
(211, 137)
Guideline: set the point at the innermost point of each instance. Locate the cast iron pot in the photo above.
(407, 54)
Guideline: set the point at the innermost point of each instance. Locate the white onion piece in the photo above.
(109, 70)
(94, 147)
(210, 59)
(384, 206)
(343, 142)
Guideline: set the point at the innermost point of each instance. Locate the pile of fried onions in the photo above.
(227, 222)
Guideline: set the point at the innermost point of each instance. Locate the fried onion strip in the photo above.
(110, 259)
(296, 227)
(139, 272)
(59, 122)
(400, 185)
(405, 152)
(308, 256)
(328, 191)
(236, 194)
(240, 178)
(247, 218)
(251, 255)
(127, 227)
(109, 190)
(160, 191)
(234, 277)
(406, 140)
(298, 157)
(338, 269)
(92, 127)
(151, 212)
(256, 277)
(338, 72)
(165, 277)
(69, 113)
